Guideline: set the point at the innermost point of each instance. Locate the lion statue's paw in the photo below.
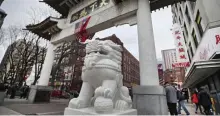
(104, 92)
(122, 105)
(103, 105)
(77, 103)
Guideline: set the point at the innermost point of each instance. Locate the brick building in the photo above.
(172, 74)
(130, 66)
(175, 75)
(70, 58)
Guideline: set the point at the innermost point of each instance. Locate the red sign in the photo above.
(217, 39)
(182, 57)
(182, 64)
(178, 37)
(181, 50)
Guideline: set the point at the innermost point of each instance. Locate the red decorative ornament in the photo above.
(80, 30)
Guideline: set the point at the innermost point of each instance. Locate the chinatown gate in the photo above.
(86, 17)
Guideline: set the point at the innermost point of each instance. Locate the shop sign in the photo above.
(89, 9)
(181, 64)
(181, 51)
(160, 70)
(209, 45)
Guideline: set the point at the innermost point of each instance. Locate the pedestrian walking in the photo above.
(186, 94)
(171, 94)
(195, 100)
(22, 92)
(181, 102)
(26, 92)
(13, 91)
(205, 101)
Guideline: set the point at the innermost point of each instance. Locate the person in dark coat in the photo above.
(186, 94)
(205, 101)
(22, 92)
(26, 91)
(13, 92)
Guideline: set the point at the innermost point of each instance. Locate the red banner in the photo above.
(182, 64)
(80, 29)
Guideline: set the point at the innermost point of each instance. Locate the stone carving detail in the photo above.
(102, 86)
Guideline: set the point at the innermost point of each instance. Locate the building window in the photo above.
(180, 20)
(185, 30)
(184, 37)
(195, 38)
(176, 5)
(189, 56)
(191, 50)
(193, 4)
(187, 15)
(181, 13)
(198, 22)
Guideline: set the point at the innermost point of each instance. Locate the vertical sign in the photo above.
(160, 71)
(181, 51)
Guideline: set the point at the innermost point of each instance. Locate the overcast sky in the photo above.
(17, 11)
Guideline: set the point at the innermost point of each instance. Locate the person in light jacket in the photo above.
(171, 95)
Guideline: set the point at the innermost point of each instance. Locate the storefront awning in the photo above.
(200, 71)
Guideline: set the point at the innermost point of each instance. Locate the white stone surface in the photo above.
(47, 66)
(147, 52)
(117, 15)
(91, 111)
(102, 87)
(31, 77)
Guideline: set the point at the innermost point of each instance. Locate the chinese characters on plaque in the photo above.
(89, 9)
(181, 52)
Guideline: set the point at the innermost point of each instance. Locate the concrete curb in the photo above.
(51, 113)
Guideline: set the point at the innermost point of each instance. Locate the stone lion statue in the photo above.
(102, 86)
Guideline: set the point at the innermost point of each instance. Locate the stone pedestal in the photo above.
(39, 94)
(91, 111)
(150, 100)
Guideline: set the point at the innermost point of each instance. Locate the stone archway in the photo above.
(131, 12)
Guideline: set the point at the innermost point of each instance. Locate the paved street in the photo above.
(7, 111)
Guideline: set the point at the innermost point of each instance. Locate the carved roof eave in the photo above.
(44, 22)
(46, 28)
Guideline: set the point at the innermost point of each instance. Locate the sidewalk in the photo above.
(55, 107)
(191, 108)
(22, 107)
(6, 111)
